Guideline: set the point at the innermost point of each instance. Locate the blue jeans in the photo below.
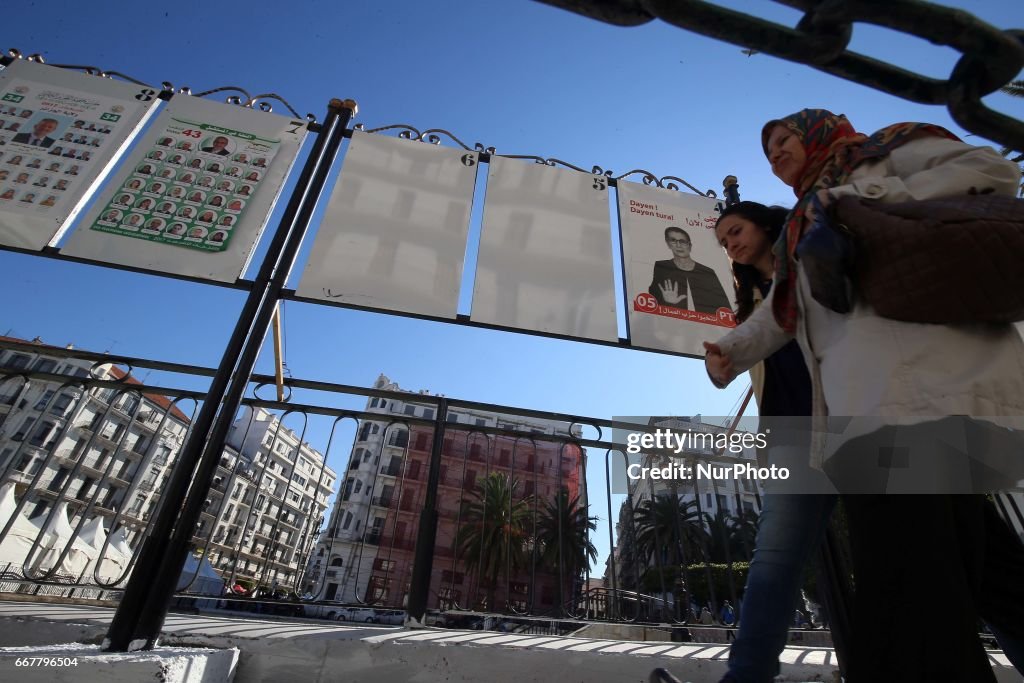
(791, 527)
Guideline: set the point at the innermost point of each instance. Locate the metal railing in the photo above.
(253, 552)
(991, 57)
(657, 574)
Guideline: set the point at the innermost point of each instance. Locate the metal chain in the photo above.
(991, 57)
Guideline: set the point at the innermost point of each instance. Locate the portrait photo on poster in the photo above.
(186, 211)
(61, 130)
(677, 278)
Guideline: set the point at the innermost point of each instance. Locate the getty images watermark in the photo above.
(687, 440)
(653, 450)
(844, 454)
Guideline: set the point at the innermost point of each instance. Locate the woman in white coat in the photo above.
(918, 559)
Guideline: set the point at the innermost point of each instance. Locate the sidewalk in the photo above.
(283, 651)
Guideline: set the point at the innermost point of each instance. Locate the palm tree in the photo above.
(563, 540)
(492, 537)
(720, 529)
(744, 531)
(668, 529)
(669, 532)
(732, 536)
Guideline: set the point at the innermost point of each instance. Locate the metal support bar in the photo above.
(419, 588)
(141, 613)
(278, 353)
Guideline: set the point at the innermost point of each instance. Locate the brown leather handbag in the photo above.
(948, 261)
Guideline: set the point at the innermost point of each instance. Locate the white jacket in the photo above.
(892, 372)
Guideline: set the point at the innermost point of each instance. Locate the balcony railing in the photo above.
(398, 542)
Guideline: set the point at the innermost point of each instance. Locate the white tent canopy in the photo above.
(15, 550)
(208, 581)
(57, 533)
(15, 546)
(85, 549)
(114, 561)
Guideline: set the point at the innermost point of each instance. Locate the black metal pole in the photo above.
(142, 610)
(423, 560)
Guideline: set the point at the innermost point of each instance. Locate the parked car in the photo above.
(394, 617)
(358, 614)
(324, 609)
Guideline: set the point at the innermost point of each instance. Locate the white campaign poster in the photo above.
(678, 281)
(394, 233)
(545, 260)
(60, 132)
(196, 192)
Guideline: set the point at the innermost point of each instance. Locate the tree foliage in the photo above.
(494, 531)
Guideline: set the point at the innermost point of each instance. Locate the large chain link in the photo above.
(991, 57)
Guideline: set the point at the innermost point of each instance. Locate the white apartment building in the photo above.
(113, 449)
(108, 448)
(341, 566)
(267, 503)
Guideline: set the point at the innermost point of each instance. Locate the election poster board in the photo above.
(195, 194)
(678, 282)
(394, 233)
(60, 133)
(545, 261)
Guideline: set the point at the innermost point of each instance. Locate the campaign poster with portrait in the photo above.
(545, 261)
(195, 194)
(394, 233)
(678, 282)
(61, 131)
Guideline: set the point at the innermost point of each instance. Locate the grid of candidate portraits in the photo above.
(41, 175)
(186, 191)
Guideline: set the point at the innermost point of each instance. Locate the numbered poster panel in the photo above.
(60, 132)
(678, 281)
(394, 233)
(195, 194)
(545, 259)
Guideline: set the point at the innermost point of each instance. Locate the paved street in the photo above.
(281, 650)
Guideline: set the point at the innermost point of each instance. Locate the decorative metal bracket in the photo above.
(14, 53)
(429, 136)
(651, 179)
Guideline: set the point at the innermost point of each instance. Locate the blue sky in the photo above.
(520, 76)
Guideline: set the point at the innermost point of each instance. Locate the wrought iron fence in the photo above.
(513, 496)
(264, 525)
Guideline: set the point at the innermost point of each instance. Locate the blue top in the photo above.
(787, 384)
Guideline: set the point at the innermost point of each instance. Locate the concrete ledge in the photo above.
(78, 662)
(276, 651)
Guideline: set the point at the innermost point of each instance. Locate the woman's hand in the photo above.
(670, 292)
(719, 365)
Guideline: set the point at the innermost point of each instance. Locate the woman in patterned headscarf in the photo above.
(884, 384)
